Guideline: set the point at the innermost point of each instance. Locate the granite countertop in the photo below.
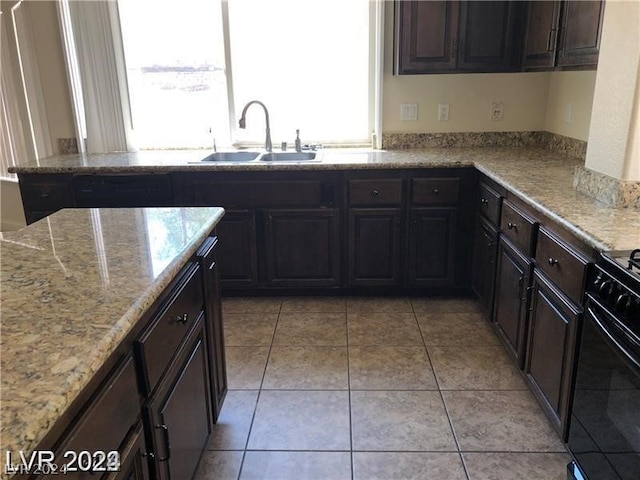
(543, 178)
(72, 286)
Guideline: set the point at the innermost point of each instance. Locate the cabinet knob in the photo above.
(375, 193)
(436, 191)
(512, 226)
(484, 201)
(44, 194)
(552, 261)
(184, 318)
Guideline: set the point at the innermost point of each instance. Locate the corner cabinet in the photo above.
(562, 35)
(451, 36)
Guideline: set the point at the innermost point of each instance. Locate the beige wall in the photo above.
(574, 89)
(613, 137)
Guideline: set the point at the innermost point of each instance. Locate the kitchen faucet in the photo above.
(243, 122)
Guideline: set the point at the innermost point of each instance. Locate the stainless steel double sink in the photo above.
(248, 156)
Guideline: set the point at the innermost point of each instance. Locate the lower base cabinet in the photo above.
(511, 299)
(483, 269)
(179, 415)
(133, 462)
(238, 249)
(551, 350)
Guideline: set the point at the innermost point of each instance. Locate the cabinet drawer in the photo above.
(489, 202)
(565, 266)
(159, 342)
(518, 227)
(46, 195)
(375, 192)
(109, 417)
(430, 191)
(261, 193)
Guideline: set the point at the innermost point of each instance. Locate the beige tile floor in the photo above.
(374, 388)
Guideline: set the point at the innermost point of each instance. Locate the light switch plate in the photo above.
(408, 111)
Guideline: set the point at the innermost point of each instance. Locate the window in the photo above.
(193, 65)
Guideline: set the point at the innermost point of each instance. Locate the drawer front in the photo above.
(518, 227)
(261, 193)
(375, 192)
(159, 342)
(109, 417)
(489, 203)
(565, 266)
(431, 191)
(45, 196)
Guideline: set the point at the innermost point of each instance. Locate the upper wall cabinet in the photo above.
(562, 35)
(449, 36)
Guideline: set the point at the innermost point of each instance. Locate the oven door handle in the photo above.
(621, 349)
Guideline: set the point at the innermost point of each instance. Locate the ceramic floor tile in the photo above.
(502, 466)
(383, 329)
(295, 420)
(219, 466)
(314, 305)
(251, 305)
(249, 329)
(320, 368)
(379, 305)
(319, 329)
(500, 421)
(390, 368)
(407, 466)
(400, 421)
(455, 329)
(296, 465)
(245, 367)
(475, 368)
(231, 431)
(445, 305)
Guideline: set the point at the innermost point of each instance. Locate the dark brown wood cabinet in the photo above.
(562, 34)
(449, 36)
(179, 415)
(374, 246)
(238, 249)
(133, 460)
(551, 348)
(302, 247)
(432, 247)
(483, 276)
(513, 277)
(43, 195)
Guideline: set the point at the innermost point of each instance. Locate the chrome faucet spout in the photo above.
(243, 122)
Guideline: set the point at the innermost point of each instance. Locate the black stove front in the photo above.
(604, 434)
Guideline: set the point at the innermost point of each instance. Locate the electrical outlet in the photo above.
(568, 113)
(497, 110)
(443, 112)
(409, 111)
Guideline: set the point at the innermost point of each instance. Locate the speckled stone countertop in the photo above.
(73, 285)
(541, 176)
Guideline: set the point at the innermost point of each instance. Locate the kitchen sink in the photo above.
(288, 157)
(242, 156)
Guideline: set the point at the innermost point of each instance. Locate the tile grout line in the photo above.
(346, 324)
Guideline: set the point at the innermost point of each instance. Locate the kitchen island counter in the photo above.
(542, 177)
(73, 286)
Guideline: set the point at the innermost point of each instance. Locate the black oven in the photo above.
(604, 433)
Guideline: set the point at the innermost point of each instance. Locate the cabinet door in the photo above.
(375, 236)
(432, 243)
(580, 35)
(541, 35)
(425, 36)
(133, 462)
(302, 247)
(489, 36)
(179, 415)
(510, 307)
(214, 326)
(484, 263)
(551, 350)
(238, 253)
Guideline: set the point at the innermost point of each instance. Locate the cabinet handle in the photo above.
(375, 193)
(212, 266)
(552, 261)
(167, 445)
(549, 49)
(184, 318)
(520, 285)
(512, 226)
(44, 194)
